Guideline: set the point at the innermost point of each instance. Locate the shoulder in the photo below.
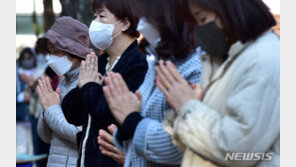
(263, 55)
(136, 57)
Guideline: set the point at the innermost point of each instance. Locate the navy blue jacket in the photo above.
(89, 99)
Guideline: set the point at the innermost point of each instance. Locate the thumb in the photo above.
(100, 76)
(58, 91)
(112, 128)
(139, 96)
(193, 86)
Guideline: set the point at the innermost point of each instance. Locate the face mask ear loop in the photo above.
(119, 32)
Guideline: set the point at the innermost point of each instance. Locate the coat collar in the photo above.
(104, 58)
(71, 76)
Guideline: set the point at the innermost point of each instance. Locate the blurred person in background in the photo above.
(236, 109)
(26, 107)
(114, 31)
(141, 134)
(25, 68)
(67, 44)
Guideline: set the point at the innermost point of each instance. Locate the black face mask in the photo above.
(212, 39)
(27, 64)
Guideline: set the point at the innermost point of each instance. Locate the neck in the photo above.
(120, 44)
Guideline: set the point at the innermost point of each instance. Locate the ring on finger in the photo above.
(168, 85)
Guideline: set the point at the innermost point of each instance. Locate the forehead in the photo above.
(28, 56)
(102, 9)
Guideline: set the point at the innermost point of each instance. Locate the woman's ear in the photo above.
(126, 24)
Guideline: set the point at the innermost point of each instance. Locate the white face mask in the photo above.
(149, 32)
(60, 65)
(101, 34)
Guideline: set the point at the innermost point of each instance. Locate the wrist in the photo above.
(129, 125)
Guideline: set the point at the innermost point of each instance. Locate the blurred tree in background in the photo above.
(78, 9)
(48, 14)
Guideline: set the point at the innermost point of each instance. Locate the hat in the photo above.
(67, 34)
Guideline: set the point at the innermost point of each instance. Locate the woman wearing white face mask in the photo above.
(67, 45)
(114, 30)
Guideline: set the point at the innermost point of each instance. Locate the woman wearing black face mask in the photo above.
(232, 118)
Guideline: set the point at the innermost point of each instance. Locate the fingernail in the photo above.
(156, 68)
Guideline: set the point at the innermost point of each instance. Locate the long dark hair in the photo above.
(176, 39)
(243, 20)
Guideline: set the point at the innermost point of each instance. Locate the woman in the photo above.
(25, 66)
(67, 45)
(114, 31)
(232, 118)
(141, 135)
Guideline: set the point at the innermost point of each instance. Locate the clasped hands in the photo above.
(89, 71)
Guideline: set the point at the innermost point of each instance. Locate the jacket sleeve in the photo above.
(44, 131)
(72, 107)
(93, 97)
(58, 124)
(252, 124)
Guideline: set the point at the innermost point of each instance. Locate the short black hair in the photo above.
(122, 10)
(243, 20)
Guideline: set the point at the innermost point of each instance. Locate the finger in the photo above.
(106, 145)
(82, 66)
(40, 83)
(139, 96)
(106, 136)
(108, 96)
(112, 128)
(122, 83)
(160, 85)
(44, 82)
(117, 83)
(174, 71)
(111, 154)
(113, 90)
(96, 63)
(166, 74)
(102, 148)
(92, 63)
(199, 91)
(58, 91)
(107, 80)
(101, 77)
(48, 84)
(193, 86)
(162, 78)
(39, 91)
(87, 63)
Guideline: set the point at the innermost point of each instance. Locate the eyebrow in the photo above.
(101, 10)
(197, 12)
